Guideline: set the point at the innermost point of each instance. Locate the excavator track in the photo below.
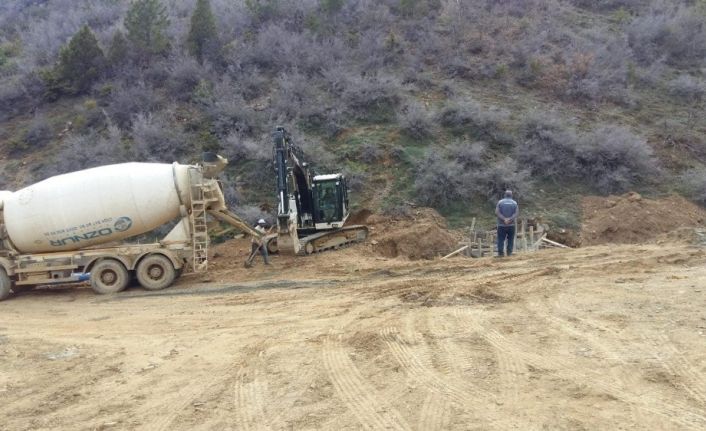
(322, 241)
(332, 240)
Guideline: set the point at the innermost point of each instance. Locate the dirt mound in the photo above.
(419, 242)
(407, 215)
(420, 234)
(631, 219)
(359, 217)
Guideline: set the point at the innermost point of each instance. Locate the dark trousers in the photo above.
(263, 251)
(506, 233)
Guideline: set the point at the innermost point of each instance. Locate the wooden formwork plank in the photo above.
(455, 252)
(548, 241)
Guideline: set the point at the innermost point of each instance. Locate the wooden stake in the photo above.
(535, 246)
(548, 241)
(455, 252)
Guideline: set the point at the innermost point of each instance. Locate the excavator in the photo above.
(312, 209)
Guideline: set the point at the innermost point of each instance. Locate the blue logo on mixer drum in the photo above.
(100, 229)
(122, 224)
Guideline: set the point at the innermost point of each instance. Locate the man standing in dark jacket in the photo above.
(507, 211)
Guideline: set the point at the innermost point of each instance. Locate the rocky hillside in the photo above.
(434, 102)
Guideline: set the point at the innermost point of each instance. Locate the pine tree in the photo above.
(118, 51)
(203, 40)
(145, 22)
(81, 63)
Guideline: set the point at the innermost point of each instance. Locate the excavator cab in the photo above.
(330, 201)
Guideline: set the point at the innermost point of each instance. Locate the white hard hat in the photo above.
(261, 221)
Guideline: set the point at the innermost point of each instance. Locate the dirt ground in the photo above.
(605, 337)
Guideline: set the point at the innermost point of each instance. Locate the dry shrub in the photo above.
(693, 184)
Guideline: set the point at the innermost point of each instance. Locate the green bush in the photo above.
(81, 64)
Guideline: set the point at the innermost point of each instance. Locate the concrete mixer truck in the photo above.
(59, 229)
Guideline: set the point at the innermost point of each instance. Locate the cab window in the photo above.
(327, 200)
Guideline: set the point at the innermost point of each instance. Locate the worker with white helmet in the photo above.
(259, 243)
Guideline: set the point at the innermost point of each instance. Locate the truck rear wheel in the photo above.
(5, 284)
(155, 272)
(109, 276)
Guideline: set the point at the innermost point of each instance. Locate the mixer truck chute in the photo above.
(54, 230)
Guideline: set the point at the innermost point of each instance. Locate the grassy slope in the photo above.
(557, 203)
(389, 181)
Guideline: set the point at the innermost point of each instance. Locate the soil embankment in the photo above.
(633, 219)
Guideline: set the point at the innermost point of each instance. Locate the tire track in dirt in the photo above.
(510, 370)
(675, 412)
(185, 397)
(249, 402)
(419, 370)
(676, 363)
(435, 410)
(249, 394)
(434, 414)
(417, 367)
(57, 384)
(176, 401)
(449, 357)
(610, 353)
(368, 407)
(275, 420)
(673, 362)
